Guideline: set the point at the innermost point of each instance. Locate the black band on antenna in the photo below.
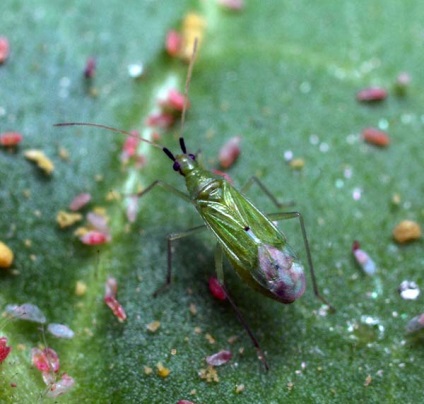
(182, 145)
(168, 153)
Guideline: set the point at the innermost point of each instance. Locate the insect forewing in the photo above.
(255, 247)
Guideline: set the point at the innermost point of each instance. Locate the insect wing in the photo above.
(224, 211)
(255, 247)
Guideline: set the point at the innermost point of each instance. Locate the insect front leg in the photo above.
(220, 275)
(298, 215)
(173, 236)
(166, 186)
(255, 180)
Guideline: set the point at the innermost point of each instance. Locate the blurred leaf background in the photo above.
(281, 74)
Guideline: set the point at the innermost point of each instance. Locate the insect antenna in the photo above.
(124, 132)
(186, 88)
(112, 129)
(168, 153)
(182, 145)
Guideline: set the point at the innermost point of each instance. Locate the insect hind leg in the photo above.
(298, 215)
(240, 317)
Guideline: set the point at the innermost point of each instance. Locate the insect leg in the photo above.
(240, 317)
(243, 322)
(266, 191)
(173, 236)
(298, 215)
(170, 238)
(218, 264)
(166, 186)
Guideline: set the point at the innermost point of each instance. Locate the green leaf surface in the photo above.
(281, 74)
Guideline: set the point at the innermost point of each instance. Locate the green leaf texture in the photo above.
(281, 74)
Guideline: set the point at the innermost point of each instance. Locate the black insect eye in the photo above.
(192, 156)
(176, 166)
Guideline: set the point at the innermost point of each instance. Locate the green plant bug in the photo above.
(254, 246)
